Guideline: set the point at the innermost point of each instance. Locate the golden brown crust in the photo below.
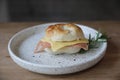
(64, 29)
(54, 28)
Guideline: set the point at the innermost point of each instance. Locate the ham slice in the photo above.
(82, 45)
(42, 45)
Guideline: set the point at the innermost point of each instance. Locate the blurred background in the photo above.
(59, 10)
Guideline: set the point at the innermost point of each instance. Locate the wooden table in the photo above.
(107, 69)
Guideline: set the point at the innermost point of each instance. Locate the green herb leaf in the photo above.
(98, 39)
(93, 41)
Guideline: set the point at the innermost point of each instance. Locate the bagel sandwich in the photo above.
(62, 38)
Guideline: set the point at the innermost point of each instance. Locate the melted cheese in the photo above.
(56, 45)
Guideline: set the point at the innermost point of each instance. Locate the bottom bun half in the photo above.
(67, 50)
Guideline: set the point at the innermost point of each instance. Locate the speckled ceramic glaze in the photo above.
(21, 49)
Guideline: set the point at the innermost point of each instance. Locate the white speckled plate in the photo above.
(22, 45)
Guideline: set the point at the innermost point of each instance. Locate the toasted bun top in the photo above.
(64, 32)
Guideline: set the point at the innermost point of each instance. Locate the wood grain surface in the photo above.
(107, 69)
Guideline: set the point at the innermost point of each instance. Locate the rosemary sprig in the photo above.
(93, 41)
(98, 39)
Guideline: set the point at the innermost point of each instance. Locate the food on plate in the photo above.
(62, 38)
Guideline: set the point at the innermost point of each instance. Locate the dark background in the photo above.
(59, 10)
